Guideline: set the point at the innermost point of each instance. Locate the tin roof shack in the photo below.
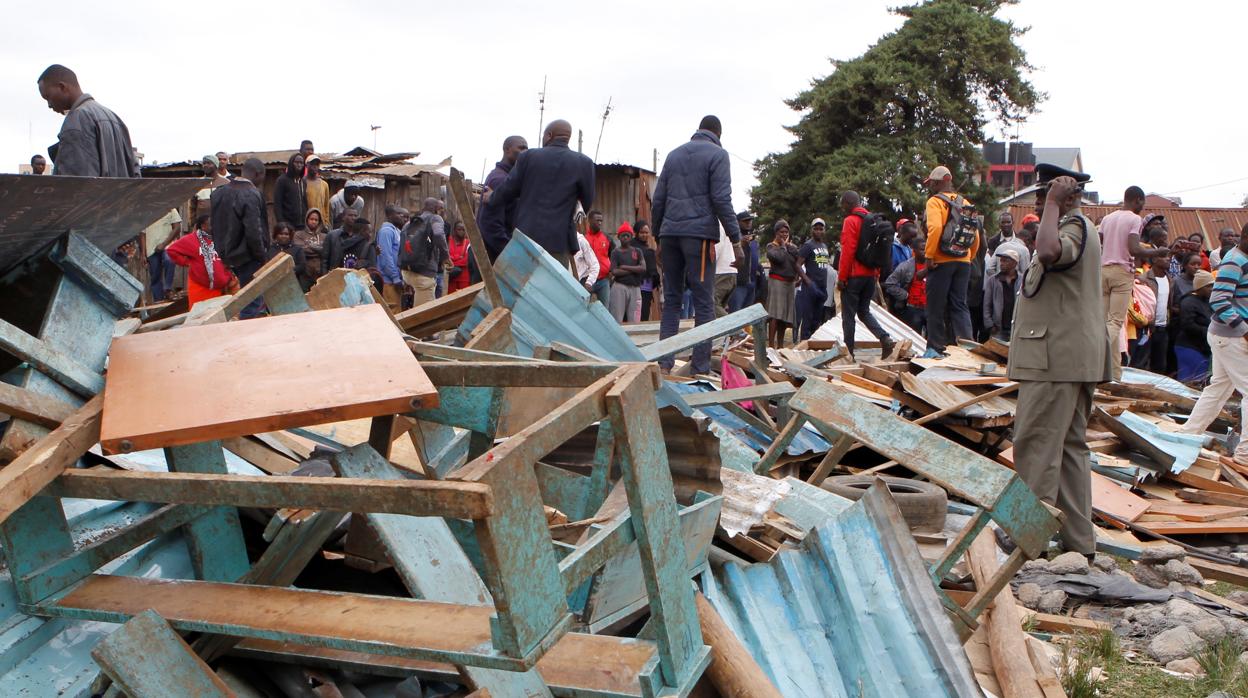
(623, 193)
(391, 178)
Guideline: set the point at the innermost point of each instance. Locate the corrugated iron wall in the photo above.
(623, 194)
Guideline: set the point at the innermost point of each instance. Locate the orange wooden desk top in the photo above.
(217, 381)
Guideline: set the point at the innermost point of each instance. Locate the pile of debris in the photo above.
(498, 492)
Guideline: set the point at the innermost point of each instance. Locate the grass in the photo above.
(1220, 662)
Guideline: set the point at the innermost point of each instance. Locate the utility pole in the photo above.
(605, 113)
(374, 129)
(580, 140)
(541, 110)
(656, 160)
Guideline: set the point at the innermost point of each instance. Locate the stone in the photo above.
(1149, 576)
(1176, 587)
(1181, 572)
(1234, 626)
(1185, 611)
(1175, 643)
(1161, 554)
(1128, 613)
(1037, 565)
(1240, 597)
(1069, 563)
(1029, 595)
(1185, 666)
(1243, 657)
(1209, 629)
(1052, 601)
(1104, 563)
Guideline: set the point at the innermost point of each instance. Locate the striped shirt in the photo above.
(1230, 296)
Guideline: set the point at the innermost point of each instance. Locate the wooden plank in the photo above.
(1012, 664)
(439, 314)
(259, 455)
(40, 464)
(1222, 498)
(33, 407)
(766, 391)
(966, 403)
(1052, 623)
(1109, 497)
(1232, 476)
(1178, 528)
(147, 659)
(230, 368)
(45, 358)
(463, 204)
(1223, 601)
(1197, 512)
(1219, 571)
(719, 327)
(867, 384)
(462, 500)
(733, 670)
(1206, 484)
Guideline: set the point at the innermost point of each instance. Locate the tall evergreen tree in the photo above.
(920, 97)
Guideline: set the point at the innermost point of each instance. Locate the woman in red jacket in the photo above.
(459, 251)
(207, 276)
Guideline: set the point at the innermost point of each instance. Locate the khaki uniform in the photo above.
(1059, 351)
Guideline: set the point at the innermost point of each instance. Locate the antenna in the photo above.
(605, 113)
(374, 129)
(541, 109)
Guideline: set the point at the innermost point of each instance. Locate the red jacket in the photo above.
(850, 267)
(185, 252)
(601, 245)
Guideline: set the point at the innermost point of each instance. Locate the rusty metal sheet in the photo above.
(35, 211)
(221, 380)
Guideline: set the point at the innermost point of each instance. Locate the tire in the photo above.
(923, 504)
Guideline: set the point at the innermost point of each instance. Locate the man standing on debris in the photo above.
(812, 269)
(494, 221)
(349, 197)
(240, 229)
(93, 141)
(38, 165)
(857, 280)
(388, 256)
(545, 186)
(1228, 338)
(1121, 231)
(692, 201)
(1059, 352)
(949, 276)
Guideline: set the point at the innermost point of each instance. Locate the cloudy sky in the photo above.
(1143, 88)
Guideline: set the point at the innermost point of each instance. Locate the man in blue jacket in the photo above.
(545, 185)
(691, 201)
(495, 221)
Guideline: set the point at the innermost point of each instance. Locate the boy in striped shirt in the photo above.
(1228, 338)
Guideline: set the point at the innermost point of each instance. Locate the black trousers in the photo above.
(856, 298)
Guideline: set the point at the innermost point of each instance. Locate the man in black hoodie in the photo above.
(495, 221)
(290, 201)
(692, 200)
(240, 229)
(545, 185)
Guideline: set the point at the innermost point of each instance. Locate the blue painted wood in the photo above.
(463, 407)
(652, 503)
(33, 537)
(719, 327)
(147, 659)
(214, 539)
(433, 566)
(89, 266)
(564, 490)
(780, 445)
(50, 360)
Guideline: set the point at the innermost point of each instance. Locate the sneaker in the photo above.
(933, 354)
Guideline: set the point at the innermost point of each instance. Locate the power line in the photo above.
(1207, 186)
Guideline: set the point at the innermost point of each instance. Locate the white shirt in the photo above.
(992, 264)
(1162, 314)
(724, 256)
(585, 260)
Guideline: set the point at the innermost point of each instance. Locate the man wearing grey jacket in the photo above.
(93, 142)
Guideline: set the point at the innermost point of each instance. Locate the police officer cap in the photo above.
(1046, 172)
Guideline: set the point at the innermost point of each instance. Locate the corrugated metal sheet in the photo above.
(852, 613)
(1140, 377)
(898, 330)
(623, 193)
(729, 427)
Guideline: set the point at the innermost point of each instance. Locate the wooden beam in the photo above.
(259, 455)
(442, 313)
(714, 329)
(147, 659)
(516, 373)
(967, 403)
(40, 464)
(484, 266)
(44, 358)
(31, 406)
(462, 500)
(1006, 641)
(766, 391)
(733, 670)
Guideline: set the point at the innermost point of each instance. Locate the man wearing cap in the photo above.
(1228, 339)
(907, 230)
(812, 269)
(1001, 293)
(1059, 352)
(628, 266)
(948, 315)
(349, 197)
(1121, 232)
(316, 189)
(1005, 239)
(750, 270)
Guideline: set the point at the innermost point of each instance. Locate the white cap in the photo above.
(818, 221)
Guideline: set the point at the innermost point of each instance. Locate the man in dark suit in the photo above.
(546, 185)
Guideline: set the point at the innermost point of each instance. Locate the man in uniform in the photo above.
(1059, 351)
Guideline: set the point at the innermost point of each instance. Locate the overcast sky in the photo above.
(1146, 89)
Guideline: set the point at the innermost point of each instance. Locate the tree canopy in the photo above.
(920, 97)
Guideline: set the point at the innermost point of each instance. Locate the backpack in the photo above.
(959, 233)
(416, 244)
(875, 241)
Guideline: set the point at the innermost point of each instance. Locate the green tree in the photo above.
(920, 97)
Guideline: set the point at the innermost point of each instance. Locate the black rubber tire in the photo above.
(923, 505)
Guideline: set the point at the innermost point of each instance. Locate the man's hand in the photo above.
(1062, 187)
(485, 196)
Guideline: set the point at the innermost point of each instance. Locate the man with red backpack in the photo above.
(857, 279)
(952, 244)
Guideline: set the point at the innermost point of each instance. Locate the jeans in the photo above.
(742, 297)
(245, 272)
(946, 303)
(686, 265)
(915, 317)
(602, 291)
(810, 311)
(856, 299)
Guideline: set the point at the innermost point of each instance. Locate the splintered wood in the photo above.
(224, 380)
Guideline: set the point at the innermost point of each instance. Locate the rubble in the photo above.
(1176, 643)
